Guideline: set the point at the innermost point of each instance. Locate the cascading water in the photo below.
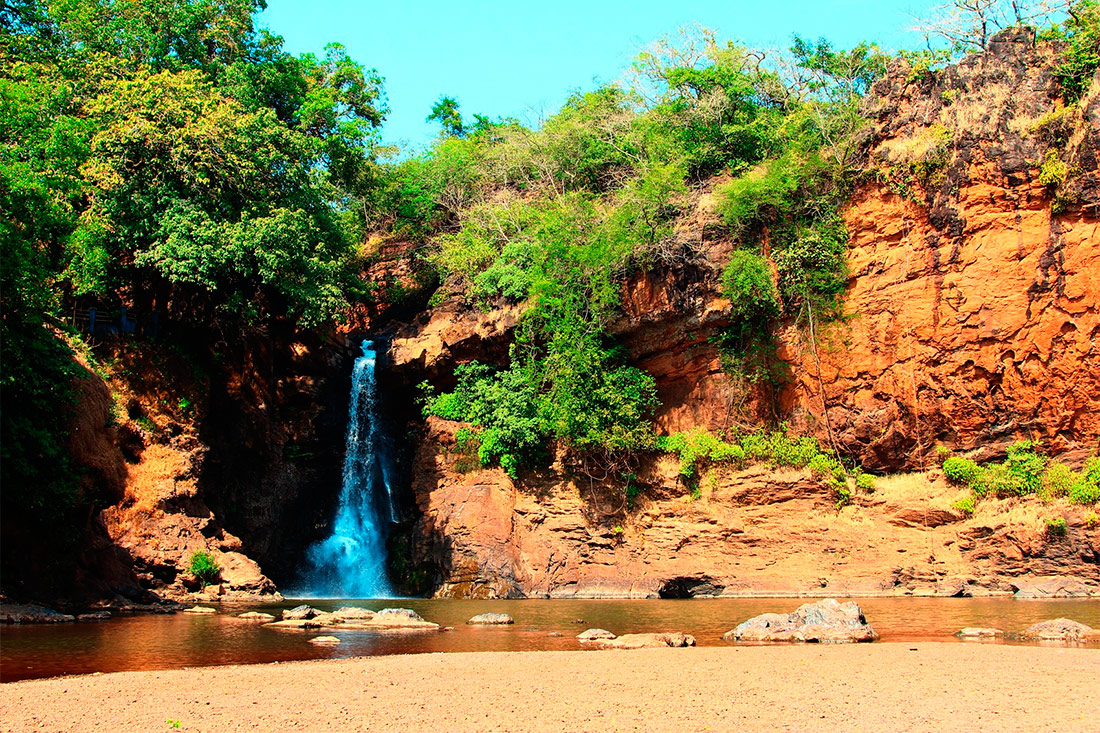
(351, 562)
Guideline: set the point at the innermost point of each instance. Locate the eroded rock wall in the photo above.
(756, 531)
(972, 322)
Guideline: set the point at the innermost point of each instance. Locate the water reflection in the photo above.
(183, 640)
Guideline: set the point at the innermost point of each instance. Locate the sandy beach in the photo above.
(876, 687)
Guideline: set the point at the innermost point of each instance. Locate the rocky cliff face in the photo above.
(233, 450)
(974, 295)
(972, 322)
(756, 531)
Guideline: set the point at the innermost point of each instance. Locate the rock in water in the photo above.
(324, 640)
(595, 635)
(1053, 587)
(96, 616)
(299, 612)
(256, 616)
(400, 618)
(352, 613)
(490, 619)
(646, 641)
(827, 621)
(971, 632)
(1059, 629)
(201, 610)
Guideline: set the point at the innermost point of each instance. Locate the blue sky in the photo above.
(521, 59)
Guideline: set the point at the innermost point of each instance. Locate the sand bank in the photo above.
(872, 687)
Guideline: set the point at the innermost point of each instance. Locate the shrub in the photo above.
(1026, 467)
(1056, 527)
(1058, 481)
(1053, 170)
(865, 482)
(699, 447)
(965, 505)
(1086, 490)
(747, 282)
(204, 567)
(960, 470)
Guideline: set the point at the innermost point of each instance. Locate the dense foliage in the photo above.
(162, 154)
(1025, 472)
(557, 217)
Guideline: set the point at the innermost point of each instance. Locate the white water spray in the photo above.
(351, 562)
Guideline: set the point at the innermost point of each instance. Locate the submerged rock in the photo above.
(826, 621)
(491, 619)
(27, 614)
(595, 634)
(1059, 629)
(358, 618)
(646, 641)
(96, 616)
(324, 640)
(972, 632)
(352, 613)
(255, 616)
(299, 612)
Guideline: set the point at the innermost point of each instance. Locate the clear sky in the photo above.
(521, 59)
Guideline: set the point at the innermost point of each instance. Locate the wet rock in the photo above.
(201, 610)
(647, 641)
(1053, 587)
(400, 618)
(1059, 629)
(324, 640)
(299, 612)
(352, 613)
(491, 619)
(595, 634)
(96, 616)
(256, 616)
(826, 621)
(555, 634)
(27, 614)
(972, 632)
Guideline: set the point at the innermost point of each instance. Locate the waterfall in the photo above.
(351, 562)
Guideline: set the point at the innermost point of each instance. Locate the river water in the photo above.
(186, 640)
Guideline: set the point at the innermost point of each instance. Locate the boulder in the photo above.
(1052, 587)
(352, 613)
(201, 610)
(324, 640)
(1059, 629)
(400, 618)
(595, 635)
(95, 616)
(17, 613)
(972, 632)
(346, 618)
(827, 621)
(256, 616)
(647, 641)
(491, 619)
(299, 612)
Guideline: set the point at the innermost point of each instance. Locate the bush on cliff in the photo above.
(699, 448)
(1025, 472)
(204, 567)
